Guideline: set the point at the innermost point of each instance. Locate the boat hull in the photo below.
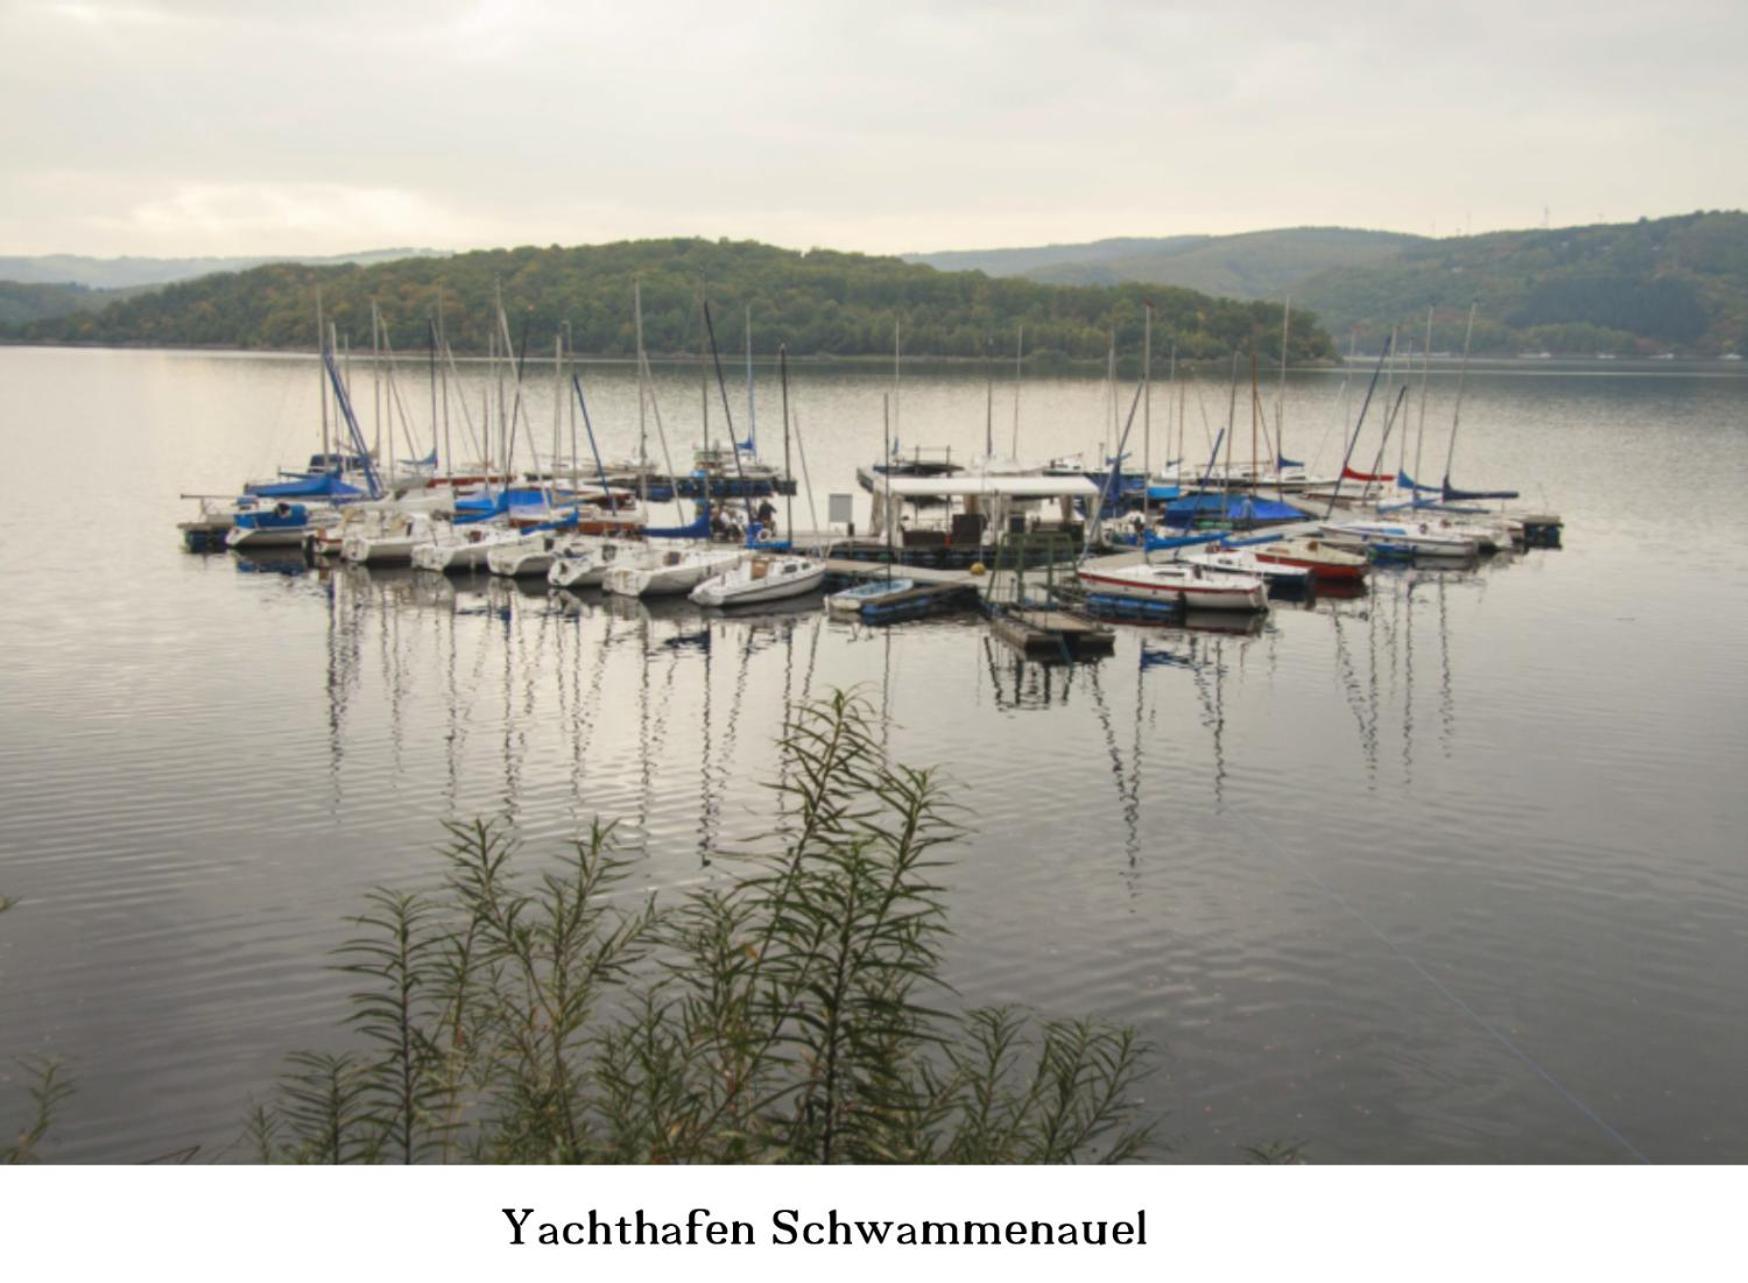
(734, 590)
(1210, 592)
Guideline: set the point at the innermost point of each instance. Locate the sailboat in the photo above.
(762, 577)
(856, 598)
(583, 561)
(1193, 586)
(669, 572)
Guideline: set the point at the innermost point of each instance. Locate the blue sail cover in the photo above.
(482, 507)
(699, 528)
(325, 485)
(1451, 493)
(1158, 543)
(282, 516)
(1284, 462)
(1406, 482)
(1160, 494)
(1201, 507)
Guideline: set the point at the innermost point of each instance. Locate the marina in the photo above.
(1228, 827)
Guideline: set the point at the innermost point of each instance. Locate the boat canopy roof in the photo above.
(1006, 484)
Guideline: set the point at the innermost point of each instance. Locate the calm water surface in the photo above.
(1454, 871)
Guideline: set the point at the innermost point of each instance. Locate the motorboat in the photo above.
(761, 578)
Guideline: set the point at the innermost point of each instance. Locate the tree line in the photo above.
(817, 303)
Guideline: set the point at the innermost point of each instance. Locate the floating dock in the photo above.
(1042, 633)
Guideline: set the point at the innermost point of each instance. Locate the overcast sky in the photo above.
(317, 127)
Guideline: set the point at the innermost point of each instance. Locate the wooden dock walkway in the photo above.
(1051, 634)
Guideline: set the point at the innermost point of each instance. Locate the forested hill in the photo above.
(818, 303)
(1245, 265)
(1667, 284)
(1655, 285)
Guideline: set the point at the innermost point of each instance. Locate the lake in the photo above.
(1454, 871)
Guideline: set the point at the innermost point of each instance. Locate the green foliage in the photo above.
(1249, 265)
(1622, 287)
(21, 302)
(790, 1014)
(49, 1088)
(819, 303)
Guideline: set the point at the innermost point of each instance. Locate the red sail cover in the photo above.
(1348, 474)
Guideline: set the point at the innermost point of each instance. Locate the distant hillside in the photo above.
(20, 303)
(115, 273)
(1667, 284)
(1248, 265)
(820, 302)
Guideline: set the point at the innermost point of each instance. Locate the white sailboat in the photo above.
(1242, 561)
(671, 571)
(452, 548)
(584, 562)
(1195, 587)
(521, 557)
(1421, 538)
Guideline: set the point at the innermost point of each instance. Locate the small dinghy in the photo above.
(675, 570)
(760, 579)
(1194, 586)
(851, 600)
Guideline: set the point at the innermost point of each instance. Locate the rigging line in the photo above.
(1481, 1021)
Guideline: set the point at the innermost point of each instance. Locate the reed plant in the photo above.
(793, 1011)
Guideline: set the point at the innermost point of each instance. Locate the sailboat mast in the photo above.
(788, 499)
(443, 374)
(322, 371)
(642, 398)
(570, 350)
(1019, 356)
(1147, 398)
(1110, 433)
(1255, 414)
(1462, 380)
(1425, 378)
(431, 362)
(1231, 425)
(558, 400)
(752, 412)
(897, 367)
(1281, 395)
(376, 380)
(988, 401)
(887, 517)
